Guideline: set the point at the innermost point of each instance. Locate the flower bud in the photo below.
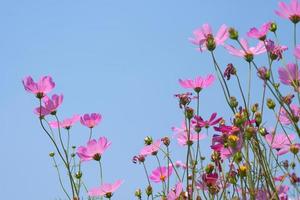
(78, 174)
(148, 140)
(210, 43)
(166, 141)
(197, 128)
(233, 34)
(189, 113)
(138, 193)
(254, 107)
(263, 132)
(51, 154)
(209, 168)
(258, 118)
(238, 157)
(263, 73)
(233, 102)
(149, 190)
(249, 132)
(294, 148)
(271, 104)
(273, 27)
(73, 155)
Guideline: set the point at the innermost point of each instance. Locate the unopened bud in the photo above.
(233, 34)
(271, 104)
(148, 140)
(273, 27)
(51, 154)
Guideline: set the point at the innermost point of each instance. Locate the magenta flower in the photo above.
(246, 52)
(275, 51)
(40, 88)
(174, 194)
(199, 83)
(297, 52)
(289, 75)
(261, 32)
(204, 38)
(291, 11)
(282, 191)
(206, 124)
(90, 120)
(93, 150)
(105, 189)
(160, 174)
(50, 105)
(285, 119)
(151, 149)
(280, 142)
(66, 123)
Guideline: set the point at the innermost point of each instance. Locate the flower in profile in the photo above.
(105, 189)
(40, 88)
(181, 134)
(285, 118)
(297, 52)
(198, 84)
(206, 123)
(160, 174)
(230, 70)
(93, 150)
(260, 33)
(175, 193)
(246, 52)
(289, 11)
(66, 123)
(289, 75)
(275, 51)
(50, 105)
(282, 191)
(151, 149)
(90, 120)
(204, 38)
(281, 142)
(180, 164)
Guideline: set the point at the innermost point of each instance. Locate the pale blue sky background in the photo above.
(120, 58)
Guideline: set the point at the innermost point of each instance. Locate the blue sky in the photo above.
(119, 58)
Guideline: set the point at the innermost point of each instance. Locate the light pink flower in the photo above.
(280, 142)
(40, 88)
(261, 32)
(246, 52)
(284, 118)
(90, 120)
(93, 150)
(66, 123)
(289, 75)
(151, 149)
(182, 137)
(198, 84)
(204, 33)
(297, 52)
(275, 51)
(50, 105)
(105, 189)
(289, 11)
(180, 164)
(174, 194)
(160, 174)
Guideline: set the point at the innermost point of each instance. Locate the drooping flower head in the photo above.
(161, 174)
(289, 11)
(105, 189)
(198, 84)
(289, 75)
(246, 52)
(260, 33)
(275, 51)
(50, 105)
(40, 88)
(204, 38)
(93, 150)
(175, 193)
(90, 120)
(66, 123)
(151, 149)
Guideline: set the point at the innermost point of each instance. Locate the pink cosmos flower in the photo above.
(90, 120)
(280, 142)
(284, 118)
(40, 88)
(93, 150)
(199, 83)
(204, 38)
(246, 52)
(282, 191)
(182, 137)
(261, 32)
(105, 189)
(151, 149)
(211, 122)
(50, 105)
(291, 11)
(160, 174)
(174, 194)
(180, 164)
(66, 123)
(275, 51)
(297, 52)
(289, 75)
(207, 180)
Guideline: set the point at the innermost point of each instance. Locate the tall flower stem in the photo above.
(149, 183)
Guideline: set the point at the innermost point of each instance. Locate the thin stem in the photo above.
(59, 178)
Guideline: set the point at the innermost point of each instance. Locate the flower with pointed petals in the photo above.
(160, 174)
(289, 11)
(182, 135)
(275, 51)
(297, 52)
(206, 124)
(204, 38)
(90, 120)
(246, 52)
(93, 150)
(151, 149)
(280, 142)
(260, 33)
(289, 75)
(40, 88)
(50, 105)
(105, 189)
(198, 84)
(285, 118)
(66, 123)
(174, 194)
